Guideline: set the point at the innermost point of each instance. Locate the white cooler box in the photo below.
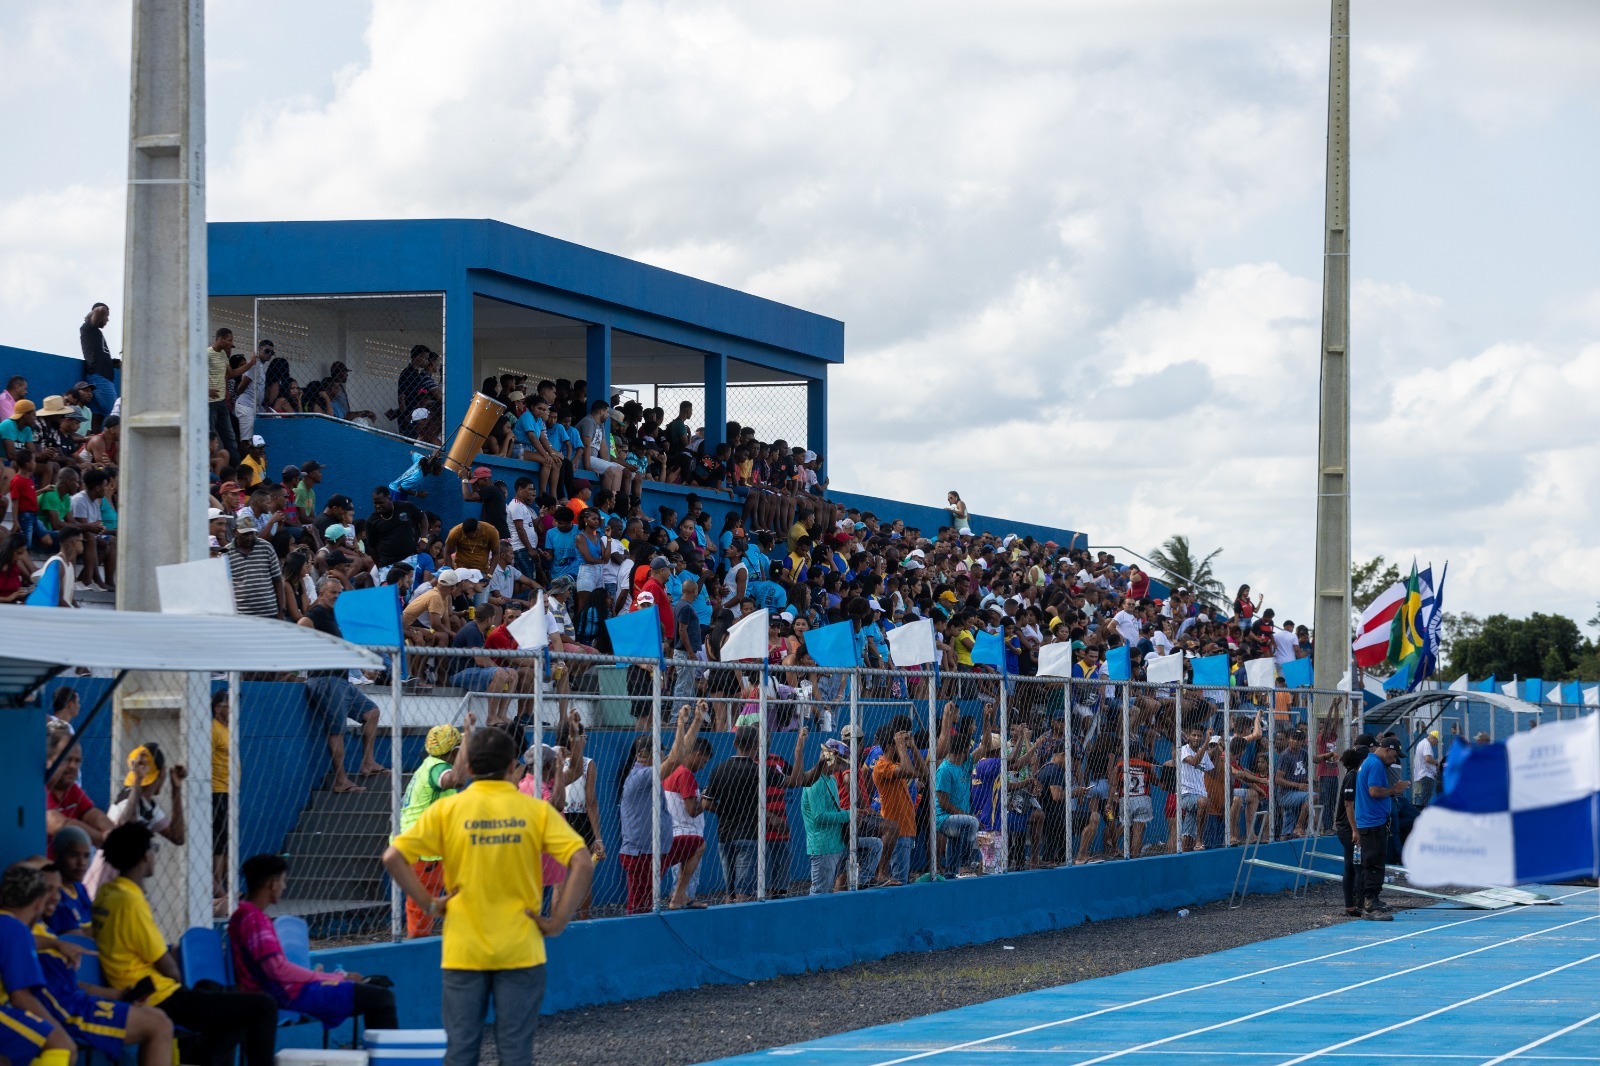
(403, 1047)
(296, 1056)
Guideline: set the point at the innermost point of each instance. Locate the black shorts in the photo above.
(219, 823)
(579, 821)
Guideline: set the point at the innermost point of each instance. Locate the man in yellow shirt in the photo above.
(133, 950)
(493, 839)
(219, 801)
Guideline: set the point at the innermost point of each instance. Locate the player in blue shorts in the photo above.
(73, 914)
(26, 1036)
(101, 1018)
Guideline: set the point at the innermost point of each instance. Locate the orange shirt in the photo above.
(894, 798)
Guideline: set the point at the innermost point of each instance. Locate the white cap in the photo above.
(1007, 540)
(259, 441)
(873, 602)
(470, 575)
(445, 578)
(916, 553)
(419, 415)
(212, 514)
(811, 457)
(787, 616)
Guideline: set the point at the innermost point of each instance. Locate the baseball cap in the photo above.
(419, 414)
(245, 524)
(23, 407)
(566, 584)
(259, 441)
(341, 500)
(337, 531)
(445, 578)
(659, 562)
(289, 471)
(228, 486)
(310, 465)
(470, 575)
(1364, 740)
(847, 732)
(212, 514)
(481, 472)
(1389, 742)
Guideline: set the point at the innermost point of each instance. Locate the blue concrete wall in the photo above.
(930, 519)
(47, 374)
(615, 959)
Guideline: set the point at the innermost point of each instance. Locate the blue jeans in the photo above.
(962, 832)
(1291, 801)
(464, 1007)
(824, 868)
(778, 875)
(868, 851)
(739, 866)
(105, 395)
(28, 524)
(900, 859)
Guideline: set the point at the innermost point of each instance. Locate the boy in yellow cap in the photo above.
(441, 774)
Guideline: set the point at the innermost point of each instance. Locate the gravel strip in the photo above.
(721, 1020)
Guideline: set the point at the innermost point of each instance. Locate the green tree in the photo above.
(1178, 559)
(1368, 579)
(1541, 645)
(1452, 629)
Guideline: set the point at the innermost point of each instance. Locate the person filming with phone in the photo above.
(1194, 762)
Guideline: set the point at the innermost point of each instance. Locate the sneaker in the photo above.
(1377, 916)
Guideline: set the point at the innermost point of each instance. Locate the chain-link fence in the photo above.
(775, 410)
(375, 359)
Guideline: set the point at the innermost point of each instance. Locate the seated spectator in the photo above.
(16, 567)
(73, 913)
(338, 399)
(66, 803)
(99, 1018)
(1291, 779)
(99, 542)
(259, 964)
(134, 955)
(334, 701)
(27, 1033)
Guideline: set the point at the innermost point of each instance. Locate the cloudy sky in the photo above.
(1076, 245)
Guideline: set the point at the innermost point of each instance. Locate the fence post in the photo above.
(1272, 771)
(1004, 813)
(1122, 782)
(1177, 772)
(538, 724)
(854, 680)
(655, 787)
(933, 774)
(1227, 780)
(397, 907)
(761, 787)
(231, 880)
(1071, 739)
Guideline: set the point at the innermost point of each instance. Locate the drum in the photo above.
(481, 417)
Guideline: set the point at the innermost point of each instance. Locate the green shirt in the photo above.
(305, 501)
(53, 508)
(423, 792)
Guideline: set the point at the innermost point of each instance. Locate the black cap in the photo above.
(340, 500)
(1365, 740)
(1389, 742)
(310, 465)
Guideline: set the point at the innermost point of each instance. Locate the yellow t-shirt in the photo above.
(129, 942)
(257, 468)
(964, 642)
(491, 836)
(219, 756)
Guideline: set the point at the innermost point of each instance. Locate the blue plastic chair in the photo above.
(294, 936)
(201, 956)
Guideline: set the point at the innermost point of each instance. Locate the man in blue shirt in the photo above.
(1374, 802)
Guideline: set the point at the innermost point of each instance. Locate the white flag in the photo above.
(1459, 684)
(1509, 688)
(1261, 673)
(747, 638)
(1055, 660)
(912, 645)
(1591, 695)
(530, 629)
(1163, 668)
(202, 586)
(1344, 682)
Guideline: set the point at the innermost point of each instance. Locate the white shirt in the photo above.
(1284, 646)
(515, 510)
(84, 509)
(1422, 761)
(1128, 626)
(1163, 645)
(610, 572)
(503, 579)
(731, 583)
(1192, 779)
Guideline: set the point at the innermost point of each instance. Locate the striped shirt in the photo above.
(255, 579)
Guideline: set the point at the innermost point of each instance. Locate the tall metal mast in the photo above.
(1332, 610)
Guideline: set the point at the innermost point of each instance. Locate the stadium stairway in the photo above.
(336, 881)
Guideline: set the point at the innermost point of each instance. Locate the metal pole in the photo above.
(397, 905)
(761, 787)
(231, 881)
(1272, 771)
(1004, 814)
(538, 725)
(854, 681)
(1177, 771)
(1227, 778)
(1333, 415)
(656, 791)
(1071, 733)
(933, 772)
(1127, 834)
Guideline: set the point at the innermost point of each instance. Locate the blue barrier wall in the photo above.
(610, 960)
(47, 374)
(930, 519)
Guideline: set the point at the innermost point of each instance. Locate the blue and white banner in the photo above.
(1512, 813)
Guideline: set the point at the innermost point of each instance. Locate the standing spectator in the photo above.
(688, 641)
(98, 369)
(682, 793)
(1194, 762)
(257, 575)
(900, 763)
(1374, 805)
(221, 741)
(1328, 773)
(442, 773)
(1426, 764)
(139, 802)
(1344, 822)
(472, 545)
(733, 794)
(480, 488)
(493, 946)
(823, 818)
(132, 950)
(392, 530)
(218, 373)
(637, 792)
(249, 400)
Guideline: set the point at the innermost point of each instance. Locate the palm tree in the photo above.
(1177, 558)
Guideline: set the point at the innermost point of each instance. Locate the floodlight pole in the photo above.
(162, 494)
(1332, 608)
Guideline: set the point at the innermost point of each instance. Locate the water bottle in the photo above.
(1358, 854)
(1183, 913)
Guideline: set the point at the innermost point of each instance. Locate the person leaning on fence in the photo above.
(443, 772)
(27, 1033)
(636, 792)
(493, 839)
(133, 955)
(99, 1018)
(259, 964)
(1374, 805)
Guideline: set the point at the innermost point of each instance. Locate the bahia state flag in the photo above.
(1525, 810)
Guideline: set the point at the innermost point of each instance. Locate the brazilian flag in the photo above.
(1406, 642)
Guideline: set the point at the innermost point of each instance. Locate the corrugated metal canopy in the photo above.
(39, 641)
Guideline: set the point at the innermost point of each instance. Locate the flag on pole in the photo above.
(1371, 645)
(1431, 620)
(833, 646)
(912, 644)
(747, 638)
(1261, 673)
(989, 649)
(1055, 660)
(1169, 668)
(1512, 813)
(1297, 673)
(532, 628)
(1459, 684)
(1405, 637)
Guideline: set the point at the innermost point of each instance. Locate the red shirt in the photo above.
(24, 494)
(74, 802)
(663, 607)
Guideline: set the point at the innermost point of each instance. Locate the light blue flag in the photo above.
(636, 634)
(370, 616)
(1297, 673)
(1572, 693)
(833, 646)
(989, 649)
(1119, 664)
(1401, 680)
(47, 593)
(1211, 670)
(1531, 690)
(1486, 685)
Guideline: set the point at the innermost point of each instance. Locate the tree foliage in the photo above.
(1179, 560)
(1368, 579)
(1548, 646)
